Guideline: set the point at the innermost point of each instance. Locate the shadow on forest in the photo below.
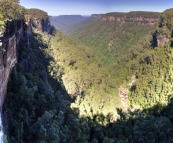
(37, 110)
(150, 125)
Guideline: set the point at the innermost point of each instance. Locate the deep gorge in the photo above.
(109, 82)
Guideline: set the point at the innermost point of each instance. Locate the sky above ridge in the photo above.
(88, 7)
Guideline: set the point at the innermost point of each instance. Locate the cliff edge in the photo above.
(38, 19)
(15, 32)
(164, 28)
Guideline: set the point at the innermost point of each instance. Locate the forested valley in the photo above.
(108, 82)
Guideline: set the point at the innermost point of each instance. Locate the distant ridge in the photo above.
(69, 24)
(63, 22)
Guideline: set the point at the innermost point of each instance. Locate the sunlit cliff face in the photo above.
(42, 25)
(140, 20)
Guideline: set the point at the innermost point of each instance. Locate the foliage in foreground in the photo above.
(37, 109)
(10, 10)
(36, 13)
(40, 107)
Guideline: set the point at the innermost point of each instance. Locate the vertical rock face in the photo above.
(9, 40)
(28, 22)
(41, 24)
(14, 33)
(162, 40)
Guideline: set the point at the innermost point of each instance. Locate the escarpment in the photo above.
(15, 32)
(146, 18)
(164, 28)
(139, 20)
(38, 19)
(42, 24)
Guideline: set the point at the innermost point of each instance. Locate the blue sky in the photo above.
(88, 7)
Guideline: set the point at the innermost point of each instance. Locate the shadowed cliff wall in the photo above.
(15, 32)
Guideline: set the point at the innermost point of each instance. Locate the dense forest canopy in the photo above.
(134, 14)
(132, 56)
(165, 24)
(10, 10)
(36, 13)
(143, 14)
(17, 1)
(108, 85)
(72, 28)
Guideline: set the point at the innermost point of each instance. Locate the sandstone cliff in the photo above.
(162, 40)
(42, 25)
(139, 20)
(148, 18)
(14, 33)
(38, 19)
(28, 22)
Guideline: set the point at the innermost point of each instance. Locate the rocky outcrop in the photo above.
(28, 22)
(15, 32)
(139, 20)
(123, 93)
(147, 18)
(111, 18)
(42, 25)
(162, 40)
(8, 57)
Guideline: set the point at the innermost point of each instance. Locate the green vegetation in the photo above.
(36, 13)
(71, 24)
(41, 111)
(134, 14)
(64, 24)
(77, 67)
(111, 43)
(166, 19)
(35, 109)
(2, 23)
(115, 89)
(126, 51)
(10, 10)
(17, 1)
(165, 24)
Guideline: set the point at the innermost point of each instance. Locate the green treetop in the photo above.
(10, 10)
(165, 24)
(36, 13)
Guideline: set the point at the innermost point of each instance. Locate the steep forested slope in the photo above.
(126, 50)
(110, 38)
(120, 67)
(37, 109)
(116, 88)
(117, 47)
